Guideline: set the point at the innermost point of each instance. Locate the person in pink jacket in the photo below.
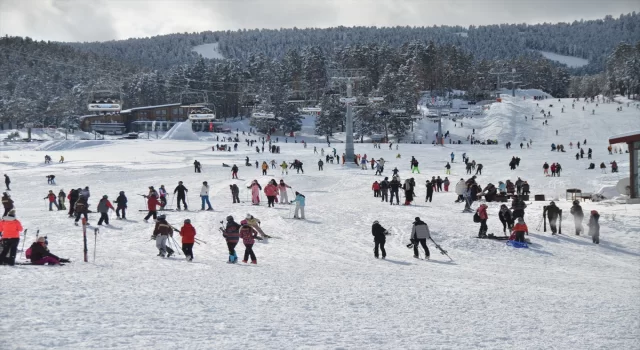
(282, 188)
(255, 192)
(271, 191)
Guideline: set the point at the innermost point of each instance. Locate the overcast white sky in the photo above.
(100, 20)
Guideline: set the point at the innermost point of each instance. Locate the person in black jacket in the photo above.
(429, 192)
(394, 185)
(121, 205)
(518, 206)
(553, 213)
(7, 181)
(40, 254)
(73, 198)
(182, 194)
(578, 216)
(506, 218)
(384, 189)
(379, 238)
(235, 192)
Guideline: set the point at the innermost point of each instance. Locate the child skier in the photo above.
(248, 235)
(519, 231)
(188, 234)
(232, 234)
(161, 234)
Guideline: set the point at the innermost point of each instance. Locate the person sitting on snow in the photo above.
(519, 230)
(39, 254)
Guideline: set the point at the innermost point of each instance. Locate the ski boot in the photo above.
(254, 262)
(170, 254)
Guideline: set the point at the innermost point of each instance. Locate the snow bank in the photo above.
(181, 131)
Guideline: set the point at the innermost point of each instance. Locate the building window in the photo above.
(158, 112)
(174, 111)
(181, 111)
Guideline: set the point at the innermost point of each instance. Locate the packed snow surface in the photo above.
(181, 131)
(209, 51)
(317, 284)
(570, 61)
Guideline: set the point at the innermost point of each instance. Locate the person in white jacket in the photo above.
(419, 235)
(204, 196)
(460, 188)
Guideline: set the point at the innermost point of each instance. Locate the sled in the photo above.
(517, 244)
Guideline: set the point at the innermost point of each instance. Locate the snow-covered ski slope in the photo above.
(317, 284)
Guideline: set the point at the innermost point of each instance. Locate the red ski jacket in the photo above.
(188, 233)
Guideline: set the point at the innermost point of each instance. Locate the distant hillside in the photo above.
(590, 40)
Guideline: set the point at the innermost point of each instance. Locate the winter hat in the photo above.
(375, 222)
(151, 187)
(249, 216)
(51, 191)
(12, 213)
(204, 182)
(593, 212)
(520, 220)
(417, 218)
(41, 239)
(162, 217)
(576, 202)
(105, 196)
(187, 221)
(229, 218)
(243, 222)
(121, 192)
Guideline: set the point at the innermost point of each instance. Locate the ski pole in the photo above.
(23, 240)
(178, 249)
(171, 202)
(199, 240)
(95, 243)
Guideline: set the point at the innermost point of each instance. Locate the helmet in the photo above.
(162, 217)
(105, 196)
(229, 218)
(187, 221)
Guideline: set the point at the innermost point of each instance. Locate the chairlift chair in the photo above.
(105, 101)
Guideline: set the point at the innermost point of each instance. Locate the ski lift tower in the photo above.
(439, 105)
(348, 76)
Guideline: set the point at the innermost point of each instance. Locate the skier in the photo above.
(7, 181)
(394, 186)
(232, 235)
(255, 223)
(282, 189)
(578, 216)
(52, 200)
(482, 214)
(152, 204)
(446, 184)
(103, 208)
(248, 235)
(188, 234)
(235, 191)
(553, 213)
(545, 166)
(61, 198)
(429, 191)
(448, 167)
(255, 192)
(379, 238)
(163, 197)
(73, 198)
(479, 169)
(86, 194)
(460, 189)
(519, 230)
(204, 196)
(182, 195)
(51, 179)
(161, 233)
(408, 192)
(603, 168)
(197, 167)
(40, 254)
(469, 168)
(121, 204)
(414, 165)
(265, 166)
(271, 191)
(320, 164)
(300, 203)
(419, 235)
(285, 168)
(234, 172)
(452, 156)
(506, 218)
(594, 227)
(384, 189)
(395, 172)
(7, 203)
(558, 169)
(439, 184)
(376, 189)
(10, 228)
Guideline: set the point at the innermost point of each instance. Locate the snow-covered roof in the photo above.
(631, 136)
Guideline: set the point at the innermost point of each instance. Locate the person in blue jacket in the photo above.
(299, 206)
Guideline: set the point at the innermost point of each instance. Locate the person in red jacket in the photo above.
(188, 234)
(53, 200)
(519, 231)
(10, 228)
(152, 204)
(248, 235)
(376, 189)
(482, 213)
(271, 191)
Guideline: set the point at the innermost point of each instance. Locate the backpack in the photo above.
(476, 217)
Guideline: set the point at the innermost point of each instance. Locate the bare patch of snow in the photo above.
(209, 51)
(570, 61)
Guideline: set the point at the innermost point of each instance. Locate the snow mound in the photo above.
(71, 145)
(181, 131)
(609, 192)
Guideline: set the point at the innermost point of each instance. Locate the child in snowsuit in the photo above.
(248, 235)
(232, 234)
(519, 231)
(188, 234)
(161, 234)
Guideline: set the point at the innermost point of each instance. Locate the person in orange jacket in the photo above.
(519, 231)
(10, 228)
(188, 234)
(376, 189)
